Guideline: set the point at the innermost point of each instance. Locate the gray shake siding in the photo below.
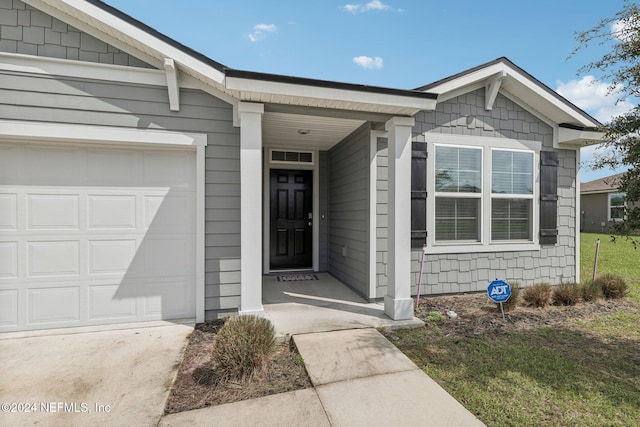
(349, 210)
(29, 31)
(448, 273)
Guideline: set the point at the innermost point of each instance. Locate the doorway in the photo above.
(291, 224)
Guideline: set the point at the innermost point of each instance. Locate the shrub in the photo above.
(435, 317)
(513, 300)
(566, 293)
(243, 347)
(590, 291)
(538, 295)
(612, 285)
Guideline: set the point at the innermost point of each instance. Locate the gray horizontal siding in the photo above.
(26, 30)
(89, 102)
(349, 210)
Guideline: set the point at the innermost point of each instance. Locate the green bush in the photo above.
(538, 295)
(566, 293)
(590, 291)
(243, 347)
(513, 300)
(612, 285)
(435, 317)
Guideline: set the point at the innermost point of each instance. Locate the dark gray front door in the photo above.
(291, 207)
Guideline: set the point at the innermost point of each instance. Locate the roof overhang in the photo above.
(278, 89)
(521, 85)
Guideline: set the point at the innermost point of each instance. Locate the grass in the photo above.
(617, 257)
(581, 371)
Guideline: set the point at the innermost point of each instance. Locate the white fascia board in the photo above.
(579, 137)
(476, 78)
(163, 49)
(89, 70)
(71, 133)
(334, 94)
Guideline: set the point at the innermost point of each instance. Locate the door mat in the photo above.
(296, 277)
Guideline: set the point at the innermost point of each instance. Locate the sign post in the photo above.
(499, 291)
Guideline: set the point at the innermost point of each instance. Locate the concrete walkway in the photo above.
(322, 305)
(359, 378)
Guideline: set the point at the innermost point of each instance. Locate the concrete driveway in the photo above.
(117, 377)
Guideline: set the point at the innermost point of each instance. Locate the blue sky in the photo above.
(393, 43)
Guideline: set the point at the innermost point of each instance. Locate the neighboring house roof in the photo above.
(576, 126)
(608, 184)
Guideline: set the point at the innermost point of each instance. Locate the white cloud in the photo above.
(624, 30)
(594, 97)
(260, 31)
(368, 62)
(376, 5)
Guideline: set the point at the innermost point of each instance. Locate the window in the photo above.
(483, 194)
(458, 182)
(278, 156)
(617, 207)
(511, 195)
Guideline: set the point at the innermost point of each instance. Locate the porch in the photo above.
(322, 305)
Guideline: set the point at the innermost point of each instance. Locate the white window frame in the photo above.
(459, 195)
(513, 196)
(609, 197)
(485, 244)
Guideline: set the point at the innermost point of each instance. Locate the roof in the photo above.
(608, 184)
(518, 83)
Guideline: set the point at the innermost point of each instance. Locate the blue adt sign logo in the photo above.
(499, 291)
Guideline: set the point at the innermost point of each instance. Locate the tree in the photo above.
(621, 67)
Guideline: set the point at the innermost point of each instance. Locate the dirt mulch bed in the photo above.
(479, 316)
(196, 384)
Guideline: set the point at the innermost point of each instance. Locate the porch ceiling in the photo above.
(282, 130)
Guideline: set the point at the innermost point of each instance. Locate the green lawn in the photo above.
(579, 371)
(617, 257)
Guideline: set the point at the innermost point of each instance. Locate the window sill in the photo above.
(465, 248)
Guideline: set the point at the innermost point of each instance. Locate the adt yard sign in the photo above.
(499, 291)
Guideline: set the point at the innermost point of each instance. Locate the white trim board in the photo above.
(17, 130)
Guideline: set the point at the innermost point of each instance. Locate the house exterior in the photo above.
(602, 204)
(141, 180)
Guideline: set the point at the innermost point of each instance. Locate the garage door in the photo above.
(95, 235)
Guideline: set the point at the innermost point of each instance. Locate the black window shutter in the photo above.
(418, 194)
(548, 197)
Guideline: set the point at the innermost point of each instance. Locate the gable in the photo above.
(29, 31)
(466, 115)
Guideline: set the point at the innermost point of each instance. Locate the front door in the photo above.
(291, 219)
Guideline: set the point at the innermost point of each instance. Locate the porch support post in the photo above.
(398, 303)
(250, 115)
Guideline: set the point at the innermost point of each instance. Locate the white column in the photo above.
(250, 116)
(398, 303)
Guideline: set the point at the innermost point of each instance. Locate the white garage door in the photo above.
(95, 235)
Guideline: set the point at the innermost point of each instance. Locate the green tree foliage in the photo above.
(621, 67)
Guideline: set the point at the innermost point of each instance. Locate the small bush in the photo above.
(435, 317)
(590, 291)
(538, 295)
(566, 294)
(513, 300)
(612, 285)
(243, 347)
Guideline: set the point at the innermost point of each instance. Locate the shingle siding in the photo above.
(451, 273)
(29, 31)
